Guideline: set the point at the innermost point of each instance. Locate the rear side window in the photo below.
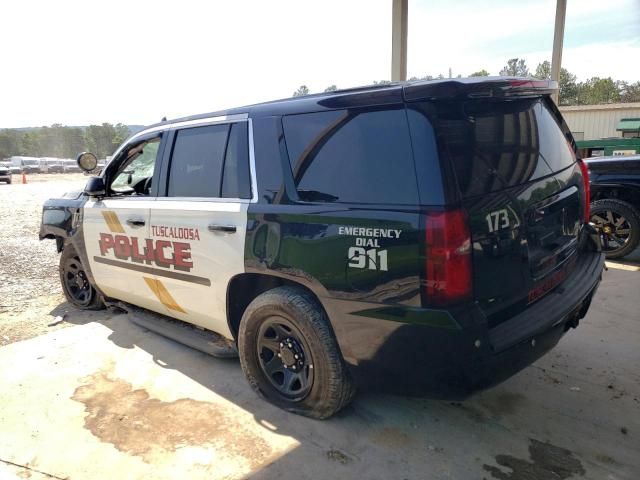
(210, 162)
(495, 145)
(352, 156)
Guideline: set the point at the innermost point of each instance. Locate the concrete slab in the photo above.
(108, 399)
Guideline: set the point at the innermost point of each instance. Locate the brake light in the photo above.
(524, 82)
(587, 190)
(448, 257)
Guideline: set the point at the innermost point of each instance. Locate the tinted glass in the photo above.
(196, 162)
(495, 145)
(237, 180)
(352, 156)
(553, 144)
(425, 152)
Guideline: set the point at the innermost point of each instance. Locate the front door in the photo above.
(116, 227)
(201, 217)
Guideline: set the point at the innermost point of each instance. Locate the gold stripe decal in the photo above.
(112, 221)
(160, 291)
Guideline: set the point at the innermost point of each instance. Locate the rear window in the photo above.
(495, 145)
(352, 156)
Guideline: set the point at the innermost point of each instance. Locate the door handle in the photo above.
(222, 228)
(135, 222)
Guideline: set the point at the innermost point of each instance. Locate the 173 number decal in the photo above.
(497, 220)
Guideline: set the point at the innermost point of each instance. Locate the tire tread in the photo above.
(339, 390)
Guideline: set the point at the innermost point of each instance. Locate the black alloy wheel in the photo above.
(290, 355)
(76, 282)
(76, 286)
(619, 226)
(285, 358)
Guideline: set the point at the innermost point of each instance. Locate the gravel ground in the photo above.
(30, 293)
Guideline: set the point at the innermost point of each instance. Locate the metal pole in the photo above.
(399, 41)
(558, 37)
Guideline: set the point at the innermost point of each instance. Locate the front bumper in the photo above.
(451, 354)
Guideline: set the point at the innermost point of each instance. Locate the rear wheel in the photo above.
(75, 284)
(619, 224)
(290, 356)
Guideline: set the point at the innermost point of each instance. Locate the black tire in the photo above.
(328, 386)
(77, 288)
(619, 224)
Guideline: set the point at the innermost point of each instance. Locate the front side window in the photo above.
(352, 156)
(135, 173)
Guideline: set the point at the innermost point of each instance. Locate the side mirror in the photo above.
(87, 161)
(95, 187)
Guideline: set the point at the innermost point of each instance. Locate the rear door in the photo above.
(200, 219)
(519, 181)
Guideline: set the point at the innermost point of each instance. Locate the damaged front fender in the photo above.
(62, 217)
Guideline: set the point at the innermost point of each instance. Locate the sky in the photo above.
(136, 61)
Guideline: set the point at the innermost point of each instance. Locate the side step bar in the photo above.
(205, 341)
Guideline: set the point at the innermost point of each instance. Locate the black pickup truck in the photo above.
(615, 207)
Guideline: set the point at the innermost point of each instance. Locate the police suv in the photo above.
(427, 237)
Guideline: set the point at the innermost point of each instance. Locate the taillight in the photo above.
(587, 190)
(448, 258)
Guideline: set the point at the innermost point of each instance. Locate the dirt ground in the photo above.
(29, 286)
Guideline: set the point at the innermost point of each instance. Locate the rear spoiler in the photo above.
(478, 87)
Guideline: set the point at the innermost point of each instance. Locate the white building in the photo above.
(593, 122)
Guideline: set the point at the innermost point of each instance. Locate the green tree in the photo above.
(382, 82)
(629, 92)
(515, 67)
(426, 77)
(598, 90)
(480, 73)
(30, 145)
(543, 70)
(10, 143)
(61, 141)
(301, 91)
(568, 94)
(122, 133)
(73, 140)
(331, 88)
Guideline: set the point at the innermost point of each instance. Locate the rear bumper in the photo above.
(451, 354)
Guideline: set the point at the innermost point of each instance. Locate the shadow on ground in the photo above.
(574, 412)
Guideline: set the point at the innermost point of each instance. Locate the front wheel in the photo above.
(619, 224)
(290, 356)
(75, 284)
